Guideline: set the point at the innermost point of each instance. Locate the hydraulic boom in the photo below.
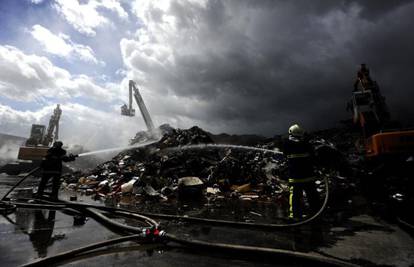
(129, 111)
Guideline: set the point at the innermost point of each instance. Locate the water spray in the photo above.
(205, 146)
(117, 148)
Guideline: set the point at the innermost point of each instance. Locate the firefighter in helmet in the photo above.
(52, 168)
(299, 154)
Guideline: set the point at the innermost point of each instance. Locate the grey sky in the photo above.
(227, 66)
(257, 66)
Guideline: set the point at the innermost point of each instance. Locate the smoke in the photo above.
(9, 150)
(79, 125)
(260, 66)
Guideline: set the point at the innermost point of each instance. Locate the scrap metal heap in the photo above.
(164, 171)
(158, 174)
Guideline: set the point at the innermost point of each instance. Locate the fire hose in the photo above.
(19, 182)
(60, 205)
(246, 224)
(7, 208)
(154, 235)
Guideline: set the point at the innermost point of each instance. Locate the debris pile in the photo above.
(167, 173)
(157, 172)
(145, 136)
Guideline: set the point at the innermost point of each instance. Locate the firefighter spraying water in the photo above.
(52, 168)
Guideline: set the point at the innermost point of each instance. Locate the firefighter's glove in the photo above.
(72, 157)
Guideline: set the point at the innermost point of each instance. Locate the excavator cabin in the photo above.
(41, 139)
(371, 114)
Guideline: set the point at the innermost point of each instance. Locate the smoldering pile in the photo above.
(159, 173)
(162, 170)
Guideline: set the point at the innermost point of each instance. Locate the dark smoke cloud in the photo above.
(258, 66)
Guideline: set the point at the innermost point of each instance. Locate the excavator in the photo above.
(388, 153)
(41, 138)
(371, 114)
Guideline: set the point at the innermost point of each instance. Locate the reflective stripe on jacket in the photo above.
(299, 154)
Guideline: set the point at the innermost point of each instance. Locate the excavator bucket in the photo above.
(391, 143)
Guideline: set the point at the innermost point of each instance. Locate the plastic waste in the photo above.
(103, 183)
(127, 187)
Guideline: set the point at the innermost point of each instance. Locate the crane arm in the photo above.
(141, 105)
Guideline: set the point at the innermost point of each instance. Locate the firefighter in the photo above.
(52, 168)
(299, 154)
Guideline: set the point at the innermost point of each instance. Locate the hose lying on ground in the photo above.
(193, 244)
(99, 217)
(89, 209)
(7, 208)
(174, 217)
(122, 212)
(230, 247)
(405, 223)
(244, 224)
(257, 250)
(19, 182)
(82, 206)
(145, 216)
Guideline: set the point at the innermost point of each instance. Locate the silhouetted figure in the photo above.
(52, 168)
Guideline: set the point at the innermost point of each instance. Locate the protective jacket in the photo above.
(53, 160)
(299, 155)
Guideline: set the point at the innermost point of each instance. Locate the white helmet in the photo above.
(296, 130)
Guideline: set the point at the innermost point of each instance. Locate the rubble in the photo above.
(155, 173)
(190, 187)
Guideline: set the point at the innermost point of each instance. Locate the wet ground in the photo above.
(28, 234)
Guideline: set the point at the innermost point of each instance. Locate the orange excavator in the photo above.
(371, 114)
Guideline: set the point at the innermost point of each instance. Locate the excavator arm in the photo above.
(53, 127)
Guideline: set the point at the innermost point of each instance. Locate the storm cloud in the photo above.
(233, 66)
(258, 66)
